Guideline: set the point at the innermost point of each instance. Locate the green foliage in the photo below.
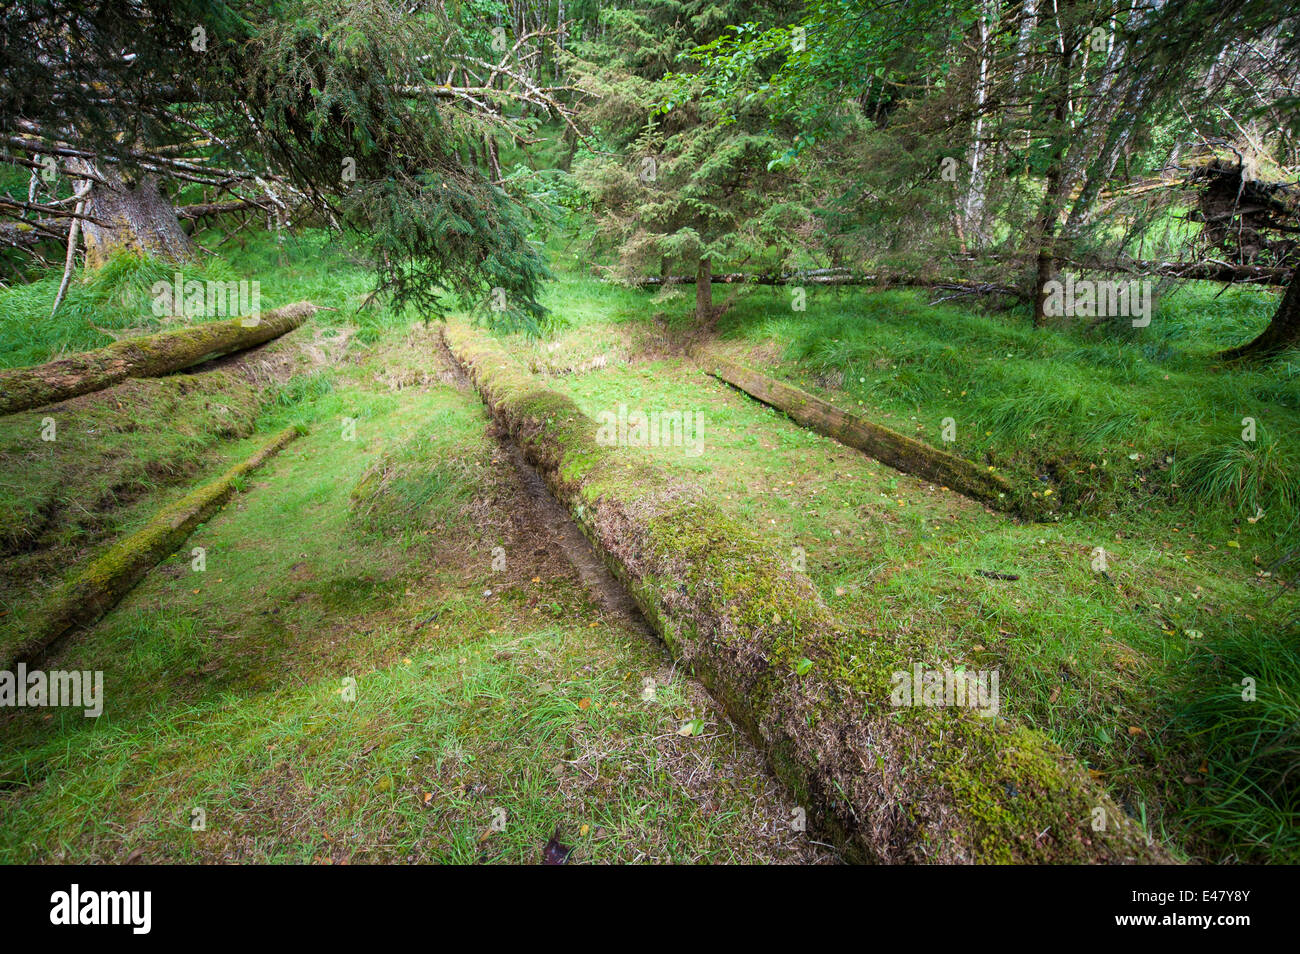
(1244, 715)
(348, 88)
(349, 102)
(694, 181)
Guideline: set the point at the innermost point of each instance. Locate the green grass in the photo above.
(1107, 663)
(1246, 710)
(368, 560)
(419, 767)
(1110, 419)
(114, 460)
(117, 299)
(120, 455)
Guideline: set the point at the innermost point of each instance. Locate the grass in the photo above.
(111, 461)
(1109, 419)
(480, 726)
(118, 298)
(368, 558)
(475, 755)
(1109, 663)
(118, 456)
(1247, 712)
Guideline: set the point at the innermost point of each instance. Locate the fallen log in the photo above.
(887, 446)
(144, 357)
(1209, 270)
(835, 277)
(90, 593)
(888, 781)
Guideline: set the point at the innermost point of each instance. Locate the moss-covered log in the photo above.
(91, 592)
(144, 357)
(891, 783)
(885, 445)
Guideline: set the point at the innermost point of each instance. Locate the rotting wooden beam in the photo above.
(885, 445)
(91, 592)
(887, 782)
(147, 356)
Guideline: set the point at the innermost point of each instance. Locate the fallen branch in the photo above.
(144, 357)
(889, 783)
(832, 276)
(74, 228)
(201, 209)
(992, 575)
(88, 595)
(1209, 270)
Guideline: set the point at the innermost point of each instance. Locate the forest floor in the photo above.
(494, 707)
(399, 650)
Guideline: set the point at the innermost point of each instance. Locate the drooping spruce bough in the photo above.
(889, 784)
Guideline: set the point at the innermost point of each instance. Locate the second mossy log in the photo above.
(92, 591)
(885, 445)
(144, 357)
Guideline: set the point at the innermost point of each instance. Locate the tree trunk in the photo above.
(149, 356)
(1054, 194)
(851, 755)
(704, 290)
(970, 218)
(1046, 269)
(889, 447)
(135, 216)
(1283, 331)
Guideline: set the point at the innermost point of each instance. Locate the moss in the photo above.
(146, 356)
(89, 594)
(890, 784)
(890, 447)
